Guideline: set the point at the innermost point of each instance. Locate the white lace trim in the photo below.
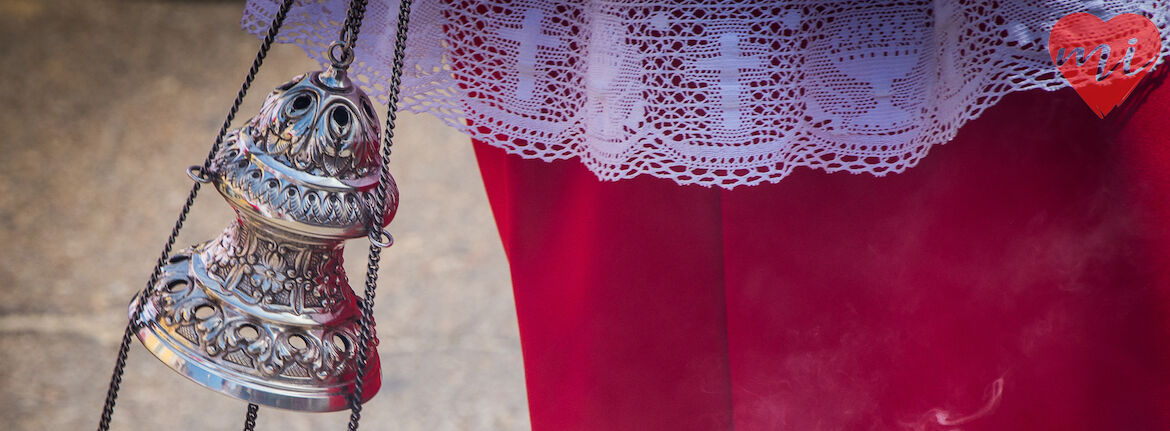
(728, 94)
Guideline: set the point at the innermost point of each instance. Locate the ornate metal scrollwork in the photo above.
(264, 312)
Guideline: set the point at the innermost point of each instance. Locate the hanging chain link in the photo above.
(132, 325)
(378, 236)
(250, 417)
(347, 38)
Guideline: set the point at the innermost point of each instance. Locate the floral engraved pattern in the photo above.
(264, 311)
(281, 196)
(330, 132)
(277, 276)
(236, 340)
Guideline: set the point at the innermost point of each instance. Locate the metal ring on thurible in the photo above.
(345, 60)
(380, 238)
(197, 173)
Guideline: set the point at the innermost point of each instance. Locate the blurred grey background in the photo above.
(104, 104)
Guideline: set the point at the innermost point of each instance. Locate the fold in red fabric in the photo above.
(1017, 279)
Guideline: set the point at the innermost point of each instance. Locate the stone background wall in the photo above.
(103, 104)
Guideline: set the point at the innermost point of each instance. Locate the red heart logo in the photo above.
(1102, 60)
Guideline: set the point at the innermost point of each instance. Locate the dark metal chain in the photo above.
(250, 418)
(378, 236)
(132, 325)
(347, 39)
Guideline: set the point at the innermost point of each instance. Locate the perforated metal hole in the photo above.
(177, 286)
(204, 312)
(298, 341)
(249, 332)
(341, 343)
(341, 117)
(369, 109)
(302, 102)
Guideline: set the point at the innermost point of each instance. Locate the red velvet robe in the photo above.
(1017, 279)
